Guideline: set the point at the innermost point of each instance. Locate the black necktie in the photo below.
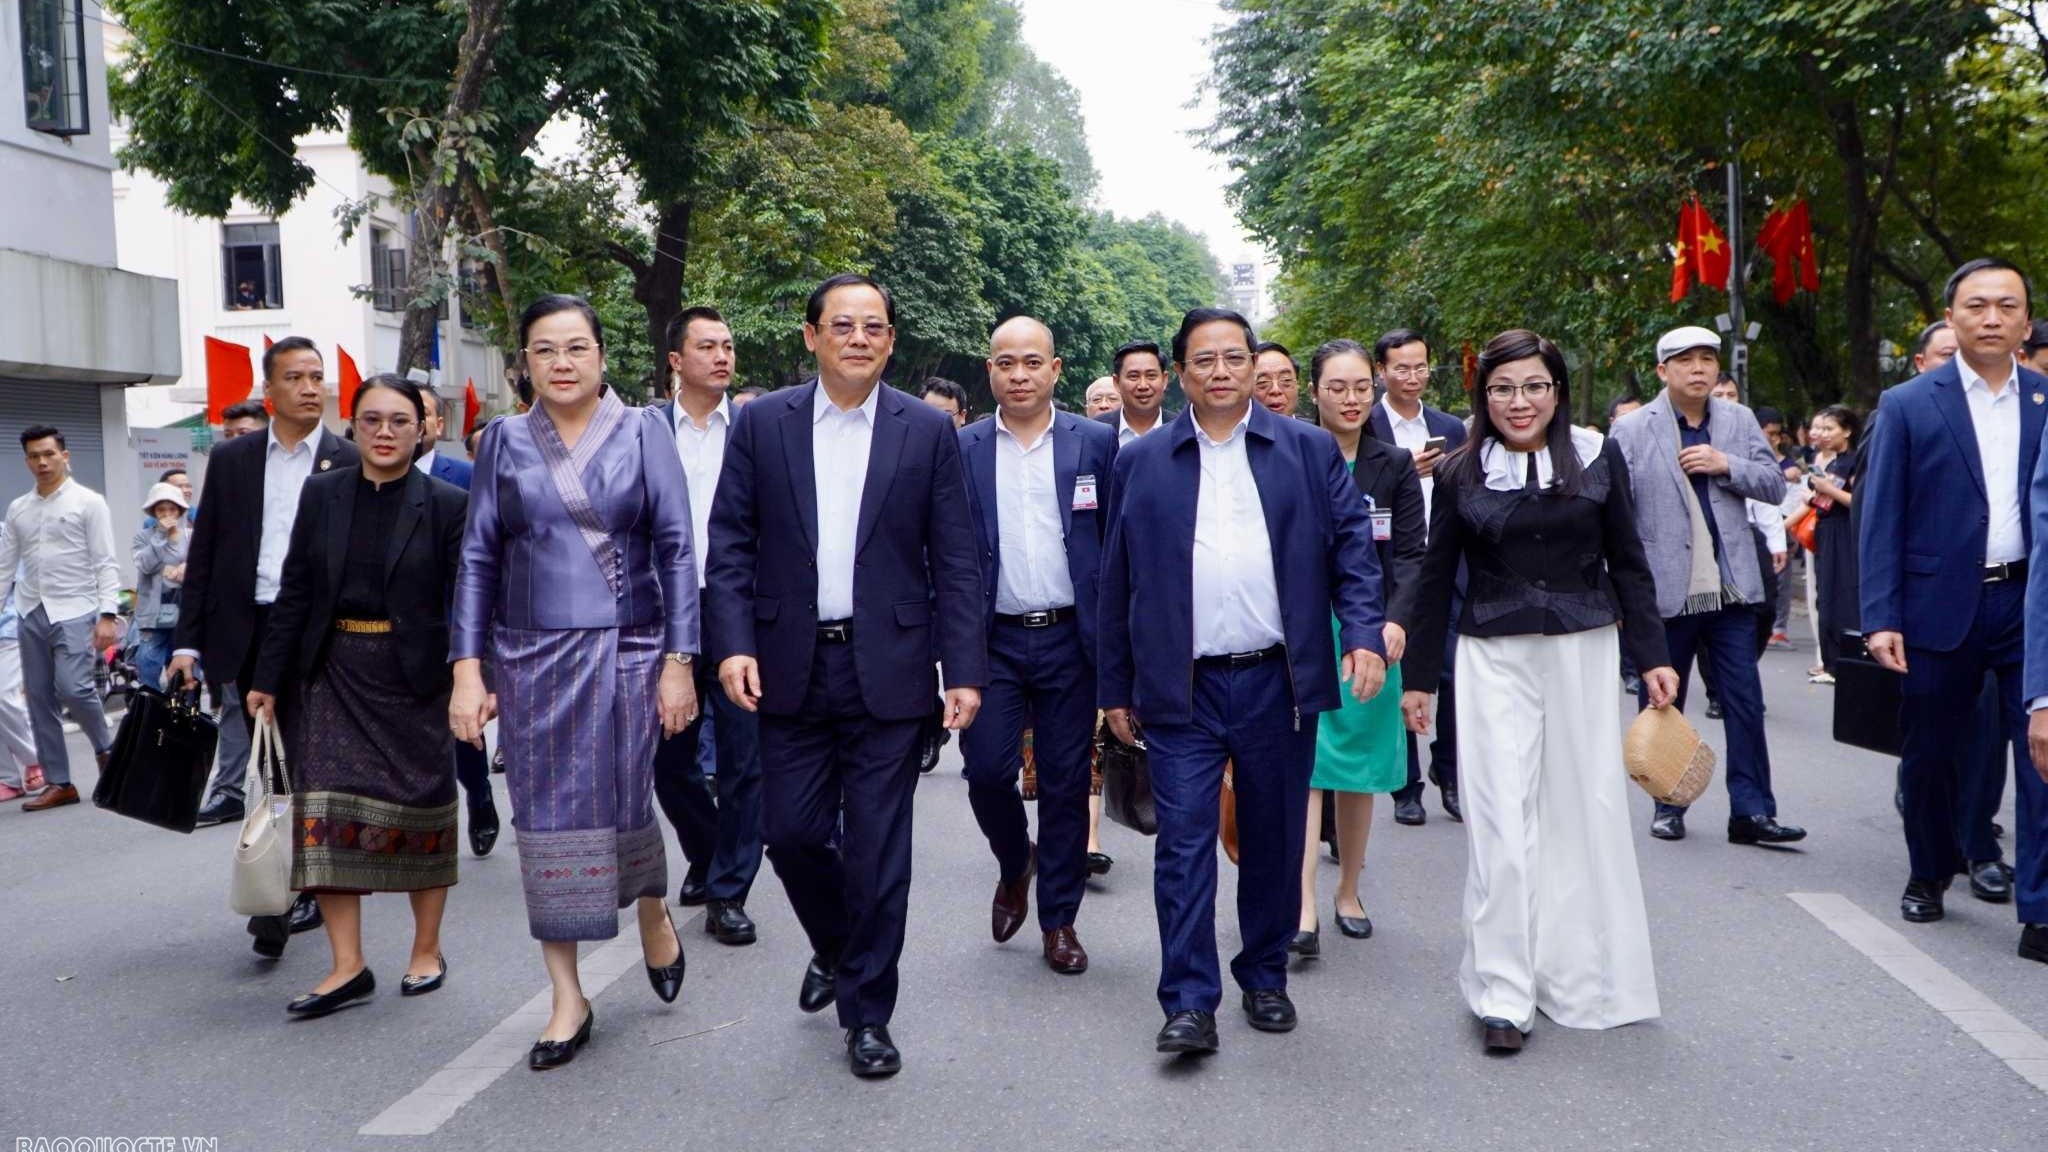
(1532, 484)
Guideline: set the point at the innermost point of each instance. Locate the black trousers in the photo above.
(721, 838)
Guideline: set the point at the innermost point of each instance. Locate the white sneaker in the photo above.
(1821, 678)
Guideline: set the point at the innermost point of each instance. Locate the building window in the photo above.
(388, 291)
(251, 273)
(53, 65)
(475, 285)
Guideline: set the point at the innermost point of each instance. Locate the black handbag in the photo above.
(161, 759)
(1866, 699)
(1126, 783)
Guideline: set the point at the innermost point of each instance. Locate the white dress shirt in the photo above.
(1033, 575)
(703, 454)
(1125, 433)
(1412, 435)
(285, 472)
(839, 448)
(1997, 423)
(426, 463)
(1236, 597)
(63, 548)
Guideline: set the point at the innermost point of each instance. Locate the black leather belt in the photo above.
(2010, 570)
(835, 631)
(1242, 659)
(1045, 619)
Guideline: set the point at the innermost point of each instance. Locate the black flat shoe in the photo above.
(870, 1052)
(1356, 927)
(1099, 863)
(1269, 1010)
(548, 1054)
(305, 914)
(1922, 902)
(2034, 943)
(315, 1004)
(1668, 826)
(1502, 1038)
(1410, 812)
(483, 828)
(1307, 945)
(270, 933)
(1762, 830)
(1190, 1033)
(668, 979)
(820, 986)
(1991, 881)
(728, 923)
(421, 985)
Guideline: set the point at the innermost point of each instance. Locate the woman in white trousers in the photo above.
(1541, 516)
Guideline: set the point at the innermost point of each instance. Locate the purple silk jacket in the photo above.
(525, 564)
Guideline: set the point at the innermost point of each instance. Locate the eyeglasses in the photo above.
(843, 329)
(1406, 373)
(1345, 391)
(1505, 393)
(574, 350)
(1205, 363)
(371, 424)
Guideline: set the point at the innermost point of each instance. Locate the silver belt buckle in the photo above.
(1038, 619)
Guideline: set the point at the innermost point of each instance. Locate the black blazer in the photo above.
(1387, 474)
(1441, 424)
(419, 579)
(216, 613)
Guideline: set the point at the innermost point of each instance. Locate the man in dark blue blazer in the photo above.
(1401, 360)
(1234, 536)
(842, 563)
(472, 767)
(1038, 481)
(1943, 563)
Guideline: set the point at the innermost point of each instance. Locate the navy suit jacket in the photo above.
(1080, 447)
(1323, 559)
(450, 470)
(1441, 424)
(1925, 516)
(917, 586)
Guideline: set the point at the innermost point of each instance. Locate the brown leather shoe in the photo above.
(1063, 952)
(55, 796)
(1013, 901)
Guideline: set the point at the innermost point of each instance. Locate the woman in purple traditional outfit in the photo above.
(579, 591)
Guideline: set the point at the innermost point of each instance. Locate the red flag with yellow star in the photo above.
(1703, 252)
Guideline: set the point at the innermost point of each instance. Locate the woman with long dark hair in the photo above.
(355, 666)
(579, 589)
(1540, 514)
(1832, 479)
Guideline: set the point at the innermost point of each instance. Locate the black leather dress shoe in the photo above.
(667, 979)
(1922, 902)
(314, 1004)
(820, 987)
(270, 933)
(421, 985)
(1713, 708)
(1502, 1038)
(728, 923)
(1991, 881)
(1356, 927)
(1410, 812)
(694, 891)
(1762, 830)
(1099, 863)
(1307, 945)
(1452, 807)
(305, 914)
(483, 828)
(1188, 1032)
(870, 1052)
(2034, 942)
(1668, 826)
(1269, 1010)
(547, 1054)
(222, 810)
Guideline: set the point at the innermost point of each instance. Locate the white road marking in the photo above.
(423, 1110)
(1979, 1018)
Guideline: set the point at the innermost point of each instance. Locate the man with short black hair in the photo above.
(243, 418)
(947, 397)
(1139, 370)
(57, 558)
(2035, 350)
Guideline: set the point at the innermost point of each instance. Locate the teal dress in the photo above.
(1363, 747)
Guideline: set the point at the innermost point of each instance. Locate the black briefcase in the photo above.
(1866, 699)
(1126, 783)
(162, 756)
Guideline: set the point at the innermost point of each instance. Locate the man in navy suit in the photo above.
(1943, 565)
(842, 564)
(1234, 535)
(1401, 359)
(1038, 482)
(472, 768)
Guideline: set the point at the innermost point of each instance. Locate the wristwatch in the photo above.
(682, 658)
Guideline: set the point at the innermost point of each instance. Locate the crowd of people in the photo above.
(794, 576)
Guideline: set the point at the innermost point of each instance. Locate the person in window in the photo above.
(246, 296)
(1540, 513)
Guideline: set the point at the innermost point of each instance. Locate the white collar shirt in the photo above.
(840, 440)
(1236, 596)
(425, 463)
(703, 454)
(57, 554)
(1125, 433)
(1996, 420)
(1032, 574)
(285, 472)
(1412, 433)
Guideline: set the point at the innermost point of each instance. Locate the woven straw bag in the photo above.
(1667, 757)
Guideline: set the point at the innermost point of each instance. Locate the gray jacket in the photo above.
(1648, 438)
(153, 553)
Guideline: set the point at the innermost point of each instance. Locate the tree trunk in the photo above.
(658, 283)
(1859, 272)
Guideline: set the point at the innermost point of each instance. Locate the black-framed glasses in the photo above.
(1533, 389)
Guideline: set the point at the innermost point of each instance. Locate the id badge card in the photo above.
(1084, 493)
(1382, 520)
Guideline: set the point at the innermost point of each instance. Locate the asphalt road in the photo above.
(134, 1008)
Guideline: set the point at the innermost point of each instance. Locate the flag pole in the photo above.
(1738, 269)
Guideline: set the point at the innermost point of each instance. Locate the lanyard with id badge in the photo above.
(1382, 520)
